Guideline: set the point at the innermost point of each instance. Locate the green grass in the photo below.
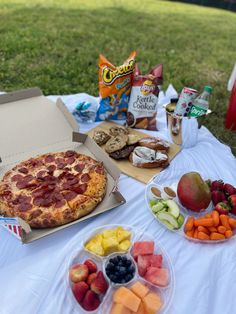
(55, 45)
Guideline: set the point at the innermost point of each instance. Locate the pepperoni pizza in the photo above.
(53, 189)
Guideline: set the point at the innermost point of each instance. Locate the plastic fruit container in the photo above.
(80, 255)
(167, 179)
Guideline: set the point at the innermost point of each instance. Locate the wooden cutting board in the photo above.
(141, 174)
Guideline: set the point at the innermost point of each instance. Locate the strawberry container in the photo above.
(167, 179)
(81, 254)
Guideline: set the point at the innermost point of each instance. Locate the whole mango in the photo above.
(193, 192)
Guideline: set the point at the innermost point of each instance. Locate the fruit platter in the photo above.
(120, 270)
(196, 207)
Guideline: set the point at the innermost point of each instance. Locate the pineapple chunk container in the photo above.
(164, 205)
(136, 272)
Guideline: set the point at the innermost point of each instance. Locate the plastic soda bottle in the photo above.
(200, 104)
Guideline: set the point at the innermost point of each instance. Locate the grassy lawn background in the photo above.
(55, 45)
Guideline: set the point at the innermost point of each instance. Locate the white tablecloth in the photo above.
(32, 277)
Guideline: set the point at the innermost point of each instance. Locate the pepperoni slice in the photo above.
(28, 178)
(17, 177)
(73, 181)
(45, 202)
(49, 158)
(79, 167)
(59, 160)
(51, 168)
(41, 174)
(85, 178)
(65, 185)
(60, 203)
(99, 169)
(70, 153)
(70, 160)
(23, 170)
(6, 194)
(61, 165)
(24, 206)
(21, 199)
(79, 189)
(70, 195)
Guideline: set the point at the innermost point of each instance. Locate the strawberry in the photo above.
(78, 272)
(91, 277)
(91, 301)
(217, 185)
(99, 285)
(92, 267)
(233, 210)
(229, 189)
(217, 196)
(222, 208)
(79, 290)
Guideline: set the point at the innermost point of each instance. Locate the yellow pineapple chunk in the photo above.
(110, 245)
(122, 234)
(95, 248)
(109, 233)
(124, 245)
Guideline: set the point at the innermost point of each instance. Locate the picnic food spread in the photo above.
(137, 280)
(53, 189)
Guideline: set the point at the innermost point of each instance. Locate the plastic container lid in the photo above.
(208, 89)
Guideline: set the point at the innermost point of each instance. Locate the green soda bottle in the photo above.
(201, 103)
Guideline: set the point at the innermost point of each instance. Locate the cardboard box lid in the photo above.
(46, 123)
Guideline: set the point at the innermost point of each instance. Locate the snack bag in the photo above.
(114, 88)
(142, 109)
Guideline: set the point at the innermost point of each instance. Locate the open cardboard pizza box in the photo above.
(30, 125)
(141, 174)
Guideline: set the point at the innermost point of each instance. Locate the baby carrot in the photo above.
(216, 236)
(189, 224)
(190, 233)
(205, 222)
(228, 233)
(195, 235)
(203, 229)
(208, 216)
(232, 223)
(212, 229)
(224, 219)
(216, 218)
(203, 236)
(221, 229)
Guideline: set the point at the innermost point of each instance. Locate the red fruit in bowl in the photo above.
(91, 277)
(92, 267)
(91, 301)
(229, 189)
(99, 285)
(217, 197)
(78, 272)
(79, 290)
(217, 185)
(193, 192)
(232, 200)
(222, 208)
(233, 210)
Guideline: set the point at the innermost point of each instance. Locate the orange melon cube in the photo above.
(127, 298)
(140, 289)
(118, 308)
(152, 303)
(141, 309)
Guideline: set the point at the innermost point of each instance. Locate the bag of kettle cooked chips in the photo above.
(142, 109)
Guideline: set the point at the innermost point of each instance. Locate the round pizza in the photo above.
(53, 189)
